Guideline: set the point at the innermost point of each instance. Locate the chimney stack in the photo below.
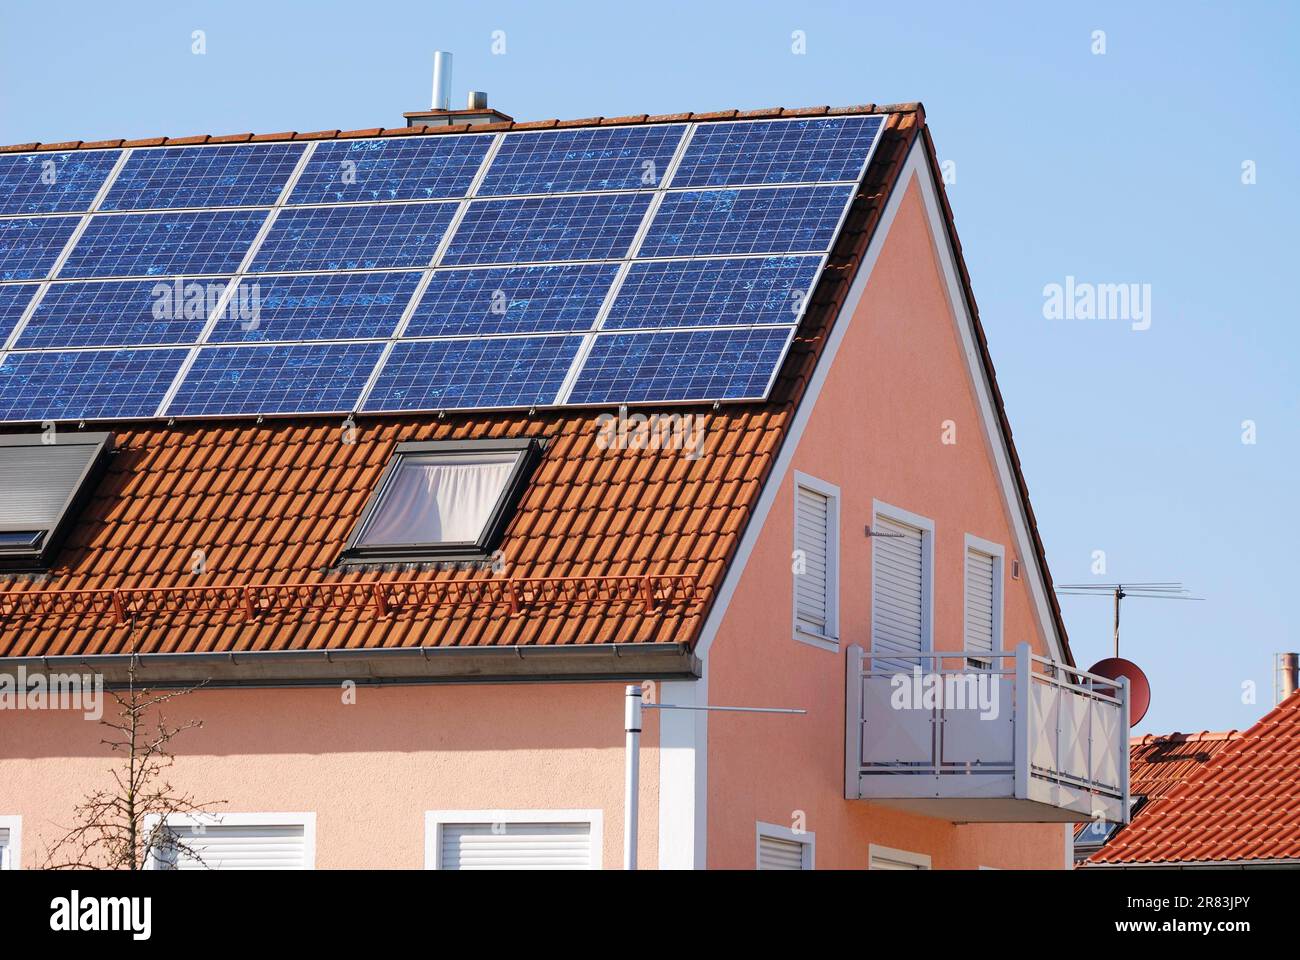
(441, 114)
(1288, 665)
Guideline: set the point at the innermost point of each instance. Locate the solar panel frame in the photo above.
(224, 380)
(295, 308)
(599, 226)
(15, 298)
(203, 176)
(107, 371)
(414, 365)
(701, 175)
(227, 234)
(319, 242)
(38, 245)
(25, 180)
(657, 350)
(511, 300)
(117, 314)
(316, 183)
(561, 161)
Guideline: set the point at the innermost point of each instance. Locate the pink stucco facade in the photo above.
(369, 770)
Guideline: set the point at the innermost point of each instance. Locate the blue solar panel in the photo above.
(14, 298)
(687, 365)
(696, 293)
(772, 220)
(355, 238)
(28, 248)
(228, 176)
(320, 378)
(164, 244)
(463, 374)
(569, 161)
(347, 306)
(414, 168)
(592, 227)
(120, 314)
(53, 182)
(551, 299)
(778, 151)
(89, 384)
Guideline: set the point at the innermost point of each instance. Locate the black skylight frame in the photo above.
(36, 551)
(529, 451)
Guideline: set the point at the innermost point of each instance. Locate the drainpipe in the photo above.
(632, 784)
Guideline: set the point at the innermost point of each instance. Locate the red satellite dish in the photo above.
(1139, 690)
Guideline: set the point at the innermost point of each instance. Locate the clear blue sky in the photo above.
(1123, 167)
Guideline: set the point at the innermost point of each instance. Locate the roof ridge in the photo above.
(427, 129)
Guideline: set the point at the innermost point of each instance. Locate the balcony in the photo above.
(1027, 740)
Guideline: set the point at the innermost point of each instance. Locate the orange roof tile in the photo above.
(1242, 803)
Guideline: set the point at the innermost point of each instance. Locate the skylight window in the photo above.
(44, 478)
(442, 500)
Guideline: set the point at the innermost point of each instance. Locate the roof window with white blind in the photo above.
(44, 480)
(816, 561)
(443, 500)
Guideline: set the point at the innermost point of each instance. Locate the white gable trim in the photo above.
(996, 442)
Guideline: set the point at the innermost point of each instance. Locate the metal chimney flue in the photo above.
(477, 100)
(1288, 670)
(441, 80)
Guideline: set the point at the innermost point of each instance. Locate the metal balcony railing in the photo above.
(1015, 738)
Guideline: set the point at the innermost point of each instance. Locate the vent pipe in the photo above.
(1288, 674)
(477, 100)
(441, 80)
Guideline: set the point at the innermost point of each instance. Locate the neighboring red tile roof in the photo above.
(1242, 804)
(1158, 764)
(273, 501)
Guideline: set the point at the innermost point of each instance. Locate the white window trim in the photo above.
(875, 850)
(435, 819)
(13, 854)
(999, 554)
(831, 639)
(307, 820)
(926, 526)
(807, 840)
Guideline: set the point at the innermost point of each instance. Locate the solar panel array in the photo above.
(596, 265)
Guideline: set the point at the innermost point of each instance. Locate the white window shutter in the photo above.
(239, 847)
(814, 537)
(775, 853)
(516, 846)
(4, 849)
(981, 591)
(898, 589)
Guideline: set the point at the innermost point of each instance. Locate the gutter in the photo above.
(582, 663)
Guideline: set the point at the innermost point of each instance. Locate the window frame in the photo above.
(831, 639)
(921, 861)
(436, 820)
(773, 831)
(881, 509)
(975, 544)
(304, 819)
(528, 449)
(11, 854)
(40, 555)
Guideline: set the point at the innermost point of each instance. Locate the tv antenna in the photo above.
(1163, 590)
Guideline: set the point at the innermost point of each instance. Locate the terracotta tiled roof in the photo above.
(273, 501)
(1240, 804)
